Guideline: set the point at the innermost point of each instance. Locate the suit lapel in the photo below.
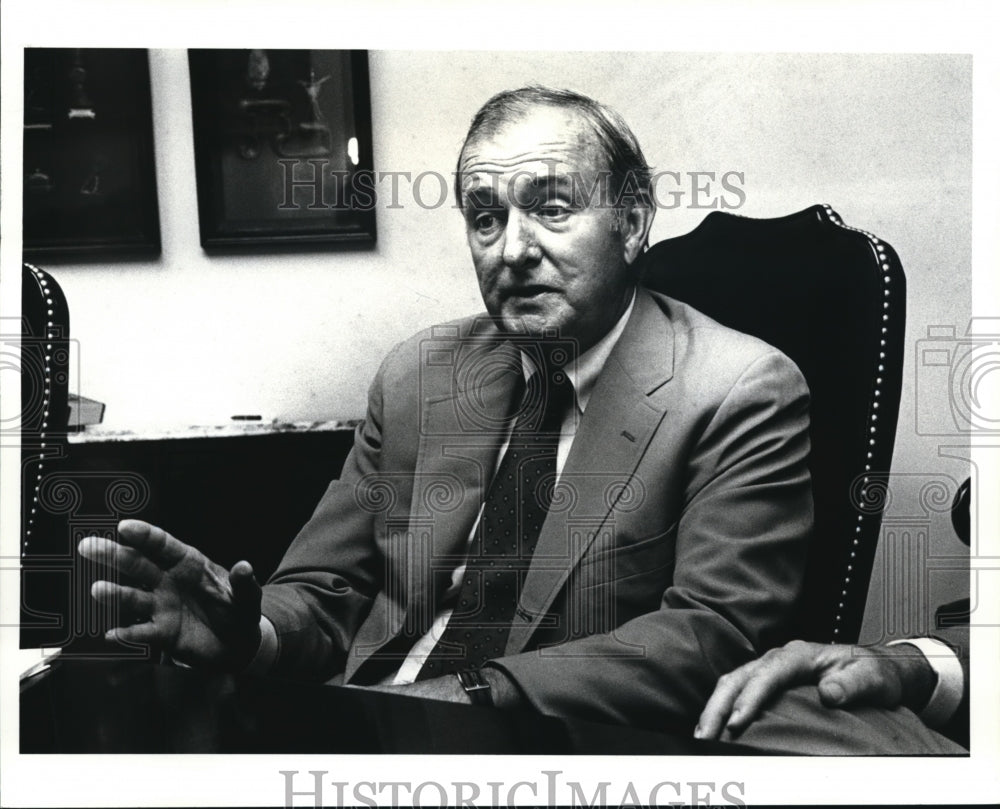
(461, 434)
(626, 407)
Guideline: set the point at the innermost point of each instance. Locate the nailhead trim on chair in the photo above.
(884, 267)
(46, 398)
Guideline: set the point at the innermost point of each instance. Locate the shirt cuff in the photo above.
(267, 652)
(950, 686)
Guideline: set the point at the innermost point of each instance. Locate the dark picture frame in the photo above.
(89, 171)
(283, 148)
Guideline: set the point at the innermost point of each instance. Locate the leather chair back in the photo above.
(833, 298)
(46, 558)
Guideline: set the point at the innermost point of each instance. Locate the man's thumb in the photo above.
(864, 682)
(246, 590)
(832, 693)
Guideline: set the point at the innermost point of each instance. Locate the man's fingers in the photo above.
(125, 560)
(720, 705)
(144, 634)
(740, 695)
(152, 541)
(132, 603)
(779, 669)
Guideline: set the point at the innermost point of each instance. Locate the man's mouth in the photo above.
(530, 291)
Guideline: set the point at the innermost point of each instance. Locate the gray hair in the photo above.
(629, 171)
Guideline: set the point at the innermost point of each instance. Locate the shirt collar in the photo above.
(588, 366)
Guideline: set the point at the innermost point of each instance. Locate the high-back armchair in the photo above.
(833, 298)
(46, 556)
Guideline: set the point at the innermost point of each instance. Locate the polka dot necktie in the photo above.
(513, 512)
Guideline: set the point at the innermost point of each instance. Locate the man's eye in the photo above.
(485, 221)
(553, 212)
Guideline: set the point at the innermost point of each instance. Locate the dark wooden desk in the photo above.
(114, 706)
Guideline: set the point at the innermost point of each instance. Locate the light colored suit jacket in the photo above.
(673, 553)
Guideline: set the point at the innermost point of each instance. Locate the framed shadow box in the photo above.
(283, 148)
(89, 173)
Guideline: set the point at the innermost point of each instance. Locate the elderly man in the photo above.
(593, 501)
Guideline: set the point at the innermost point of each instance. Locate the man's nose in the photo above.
(520, 247)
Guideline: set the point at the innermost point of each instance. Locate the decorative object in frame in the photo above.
(283, 148)
(89, 173)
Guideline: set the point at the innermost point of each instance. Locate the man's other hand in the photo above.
(884, 676)
(177, 599)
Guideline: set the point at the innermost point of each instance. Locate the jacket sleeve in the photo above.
(328, 578)
(740, 556)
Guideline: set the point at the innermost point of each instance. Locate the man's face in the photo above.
(546, 258)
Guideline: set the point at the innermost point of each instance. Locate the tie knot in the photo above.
(548, 395)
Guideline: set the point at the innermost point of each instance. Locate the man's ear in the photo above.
(635, 229)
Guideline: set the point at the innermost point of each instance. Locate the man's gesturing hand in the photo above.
(179, 599)
(885, 676)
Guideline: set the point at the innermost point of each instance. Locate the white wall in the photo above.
(192, 339)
